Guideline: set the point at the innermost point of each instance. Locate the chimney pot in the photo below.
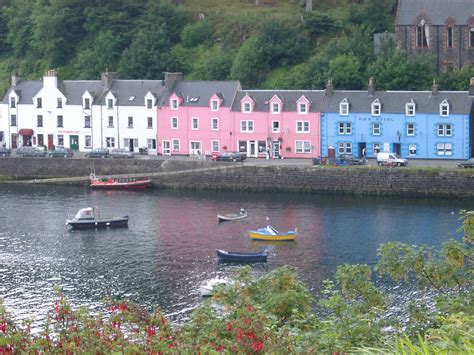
(329, 88)
(471, 87)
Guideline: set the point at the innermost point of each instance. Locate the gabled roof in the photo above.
(123, 90)
(289, 97)
(395, 101)
(436, 10)
(74, 89)
(26, 89)
(198, 93)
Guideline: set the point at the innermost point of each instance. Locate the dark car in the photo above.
(347, 159)
(98, 153)
(228, 156)
(467, 164)
(61, 152)
(121, 153)
(4, 151)
(30, 152)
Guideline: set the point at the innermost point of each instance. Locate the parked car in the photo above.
(229, 156)
(61, 152)
(30, 152)
(467, 164)
(391, 159)
(347, 159)
(124, 153)
(4, 151)
(98, 153)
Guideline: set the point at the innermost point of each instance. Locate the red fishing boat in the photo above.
(120, 183)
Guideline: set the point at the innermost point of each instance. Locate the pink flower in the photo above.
(249, 309)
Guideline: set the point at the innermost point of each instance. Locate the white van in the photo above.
(392, 159)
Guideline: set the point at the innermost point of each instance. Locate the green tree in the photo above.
(250, 64)
(345, 70)
(19, 27)
(377, 14)
(319, 24)
(453, 79)
(199, 33)
(216, 65)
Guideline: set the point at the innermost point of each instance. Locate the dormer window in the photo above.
(87, 104)
(149, 104)
(60, 102)
(110, 103)
(410, 109)
(246, 107)
(344, 108)
(444, 108)
(275, 107)
(214, 105)
(302, 108)
(376, 108)
(174, 104)
(12, 102)
(39, 102)
(422, 35)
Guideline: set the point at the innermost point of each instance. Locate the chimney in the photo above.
(434, 88)
(106, 80)
(329, 88)
(171, 79)
(471, 87)
(371, 88)
(15, 80)
(50, 79)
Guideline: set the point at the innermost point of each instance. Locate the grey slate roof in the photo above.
(394, 101)
(26, 90)
(203, 91)
(74, 89)
(124, 90)
(436, 10)
(289, 98)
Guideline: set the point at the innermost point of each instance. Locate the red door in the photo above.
(14, 141)
(50, 142)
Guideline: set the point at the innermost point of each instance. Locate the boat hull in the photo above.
(241, 257)
(98, 224)
(118, 185)
(230, 217)
(256, 235)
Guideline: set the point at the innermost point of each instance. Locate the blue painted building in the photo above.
(415, 124)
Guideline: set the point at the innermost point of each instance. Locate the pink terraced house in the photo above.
(194, 117)
(278, 123)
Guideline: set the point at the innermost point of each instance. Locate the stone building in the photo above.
(443, 28)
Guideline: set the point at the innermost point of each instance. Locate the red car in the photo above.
(228, 156)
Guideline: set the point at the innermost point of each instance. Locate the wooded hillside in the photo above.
(263, 43)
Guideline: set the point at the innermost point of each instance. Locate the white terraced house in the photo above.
(81, 114)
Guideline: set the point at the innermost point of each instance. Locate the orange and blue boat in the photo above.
(269, 233)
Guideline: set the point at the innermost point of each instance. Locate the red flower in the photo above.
(249, 308)
(250, 335)
(151, 331)
(247, 321)
(123, 307)
(112, 308)
(257, 345)
(169, 346)
(220, 349)
(229, 327)
(239, 334)
(3, 327)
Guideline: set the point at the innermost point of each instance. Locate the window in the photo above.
(449, 37)
(39, 102)
(275, 107)
(376, 148)
(275, 126)
(344, 108)
(149, 103)
(13, 120)
(471, 38)
(87, 103)
(87, 121)
(110, 142)
(195, 123)
(302, 108)
(39, 120)
(110, 103)
(376, 128)
(246, 126)
(174, 122)
(215, 146)
(111, 122)
(12, 102)
(422, 35)
(444, 108)
(176, 145)
(344, 148)
(445, 130)
(444, 149)
(149, 122)
(174, 104)
(246, 107)
(214, 124)
(60, 102)
(376, 106)
(302, 126)
(130, 122)
(410, 129)
(412, 149)
(214, 105)
(303, 146)
(88, 141)
(60, 121)
(60, 140)
(345, 128)
(410, 109)
(151, 143)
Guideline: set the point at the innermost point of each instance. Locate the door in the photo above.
(195, 148)
(74, 142)
(252, 148)
(50, 142)
(40, 140)
(362, 150)
(397, 148)
(14, 141)
(276, 149)
(166, 148)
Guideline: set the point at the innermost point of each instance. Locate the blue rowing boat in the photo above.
(242, 257)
